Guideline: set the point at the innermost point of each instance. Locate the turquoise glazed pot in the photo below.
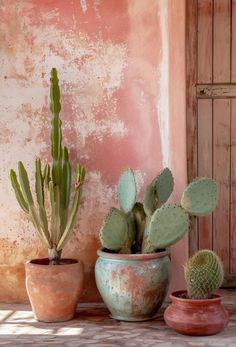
(133, 286)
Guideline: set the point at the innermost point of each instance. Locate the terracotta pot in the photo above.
(196, 317)
(54, 290)
(133, 286)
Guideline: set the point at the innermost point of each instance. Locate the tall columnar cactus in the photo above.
(203, 274)
(52, 187)
(151, 225)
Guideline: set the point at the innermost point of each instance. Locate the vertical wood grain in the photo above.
(191, 106)
(233, 189)
(204, 49)
(233, 40)
(221, 172)
(205, 164)
(222, 41)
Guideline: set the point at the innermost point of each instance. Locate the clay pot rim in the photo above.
(174, 297)
(117, 256)
(43, 262)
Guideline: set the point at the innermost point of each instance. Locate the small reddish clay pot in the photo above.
(196, 317)
(54, 290)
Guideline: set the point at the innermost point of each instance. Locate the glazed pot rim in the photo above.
(147, 256)
(175, 297)
(44, 262)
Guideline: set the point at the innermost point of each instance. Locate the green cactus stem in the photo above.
(203, 274)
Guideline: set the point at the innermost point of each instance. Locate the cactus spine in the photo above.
(203, 274)
(151, 225)
(52, 184)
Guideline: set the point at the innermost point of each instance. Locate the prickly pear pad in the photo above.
(166, 226)
(114, 231)
(200, 197)
(127, 191)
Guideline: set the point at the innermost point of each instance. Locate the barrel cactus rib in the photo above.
(166, 226)
(203, 274)
(200, 197)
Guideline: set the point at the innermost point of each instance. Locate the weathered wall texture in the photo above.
(114, 64)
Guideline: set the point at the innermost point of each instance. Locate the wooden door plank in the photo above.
(233, 189)
(205, 165)
(221, 172)
(204, 50)
(191, 106)
(221, 41)
(233, 48)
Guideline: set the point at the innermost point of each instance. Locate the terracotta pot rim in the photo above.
(175, 297)
(116, 256)
(43, 262)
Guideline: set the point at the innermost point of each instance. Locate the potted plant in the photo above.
(53, 284)
(198, 311)
(132, 271)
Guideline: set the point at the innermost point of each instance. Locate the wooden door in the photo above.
(211, 121)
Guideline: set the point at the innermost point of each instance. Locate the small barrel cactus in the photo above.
(144, 227)
(203, 274)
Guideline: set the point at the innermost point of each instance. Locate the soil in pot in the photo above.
(54, 290)
(196, 317)
(133, 286)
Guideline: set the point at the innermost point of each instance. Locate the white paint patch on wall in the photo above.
(83, 4)
(163, 74)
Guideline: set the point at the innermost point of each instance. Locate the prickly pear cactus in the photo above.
(166, 226)
(200, 196)
(203, 274)
(127, 191)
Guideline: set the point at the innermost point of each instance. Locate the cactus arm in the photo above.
(71, 221)
(39, 188)
(24, 182)
(56, 135)
(18, 193)
(39, 183)
(65, 189)
(46, 176)
(55, 213)
(127, 191)
(166, 226)
(80, 173)
(37, 224)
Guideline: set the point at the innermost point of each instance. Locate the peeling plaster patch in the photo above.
(83, 4)
(96, 4)
(90, 73)
(163, 100)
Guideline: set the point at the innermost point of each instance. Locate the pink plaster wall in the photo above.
(119, 63)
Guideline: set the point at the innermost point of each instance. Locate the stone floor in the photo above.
(93, 327)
